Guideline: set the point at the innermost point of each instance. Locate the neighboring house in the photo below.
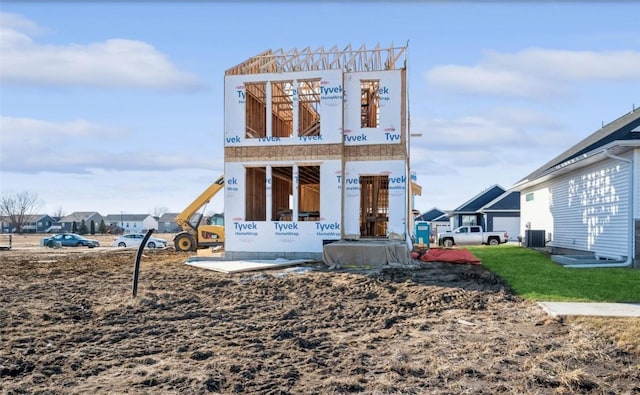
(38, 223)
(167, 223)
(503, 213)
(132, 223)
(587, 199)
(66, 222)
(5, 224)
(437, 219)
(494, 209)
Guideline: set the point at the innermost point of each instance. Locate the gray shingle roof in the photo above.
(430, 215)
(480, 200)
(619, 130)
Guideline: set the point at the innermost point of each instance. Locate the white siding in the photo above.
(536, 212)
(636, 183)
(590, 209)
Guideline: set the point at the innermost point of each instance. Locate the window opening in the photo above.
(281, 192)
(256, 110)
(309, 108)
(370, 103)
(282, 108)
(309, 193)
(256, 197)
(469, 220)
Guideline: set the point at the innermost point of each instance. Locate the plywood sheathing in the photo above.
(375, 152)
(283, 152)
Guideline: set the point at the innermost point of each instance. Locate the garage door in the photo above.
(510, 224)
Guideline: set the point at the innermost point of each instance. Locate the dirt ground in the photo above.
(70, 325)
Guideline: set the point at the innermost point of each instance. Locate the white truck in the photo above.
(470, 235)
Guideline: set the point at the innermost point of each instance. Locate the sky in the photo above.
(117, 107)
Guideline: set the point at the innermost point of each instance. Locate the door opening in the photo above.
(374, 206)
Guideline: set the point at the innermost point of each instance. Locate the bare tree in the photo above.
(58, 213)
(17, 207)
(159, 211)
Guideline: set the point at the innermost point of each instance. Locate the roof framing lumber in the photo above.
(347, 59)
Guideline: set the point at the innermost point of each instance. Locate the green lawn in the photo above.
(532, 275)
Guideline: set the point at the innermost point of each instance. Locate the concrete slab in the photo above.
(591, 309)
(243, 266)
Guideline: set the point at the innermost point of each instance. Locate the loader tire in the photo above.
(185, 243)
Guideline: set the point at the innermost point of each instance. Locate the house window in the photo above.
(283, 189)
(282, 108)
(309, 193)
(528, 197)
(256, 110)
(256, 196)
(309, 108)
(469, 220)
(369, 103)
(281, 192)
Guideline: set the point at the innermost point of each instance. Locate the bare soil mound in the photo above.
(69, 325)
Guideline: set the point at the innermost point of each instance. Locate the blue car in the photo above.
(69, 240)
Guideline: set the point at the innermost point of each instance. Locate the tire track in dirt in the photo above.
(71, 327)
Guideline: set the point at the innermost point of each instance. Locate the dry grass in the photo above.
(623, 331)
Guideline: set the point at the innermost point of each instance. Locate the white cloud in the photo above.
(28, 132)
(15, 22)
(483, 80)
(114, 63)
(569, 66)
(500, 128)
(536, 73)
(32, 146)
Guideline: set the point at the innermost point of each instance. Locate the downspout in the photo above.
(629, 260)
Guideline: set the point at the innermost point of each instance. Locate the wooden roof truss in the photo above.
(347, 59)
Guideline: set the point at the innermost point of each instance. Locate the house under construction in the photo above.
(316, 151)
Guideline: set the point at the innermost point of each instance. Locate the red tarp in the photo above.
(450, 256)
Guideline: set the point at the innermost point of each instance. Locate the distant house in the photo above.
(38, 223)
(503, 213)
(5, 224)
(132, 223)
(494, 209)
(586, 201)
(437, 219)
(66, 222)
(167, 223)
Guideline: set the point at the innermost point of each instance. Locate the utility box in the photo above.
(423, 232)
(535, 238)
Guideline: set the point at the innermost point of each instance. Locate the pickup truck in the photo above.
(471, 235)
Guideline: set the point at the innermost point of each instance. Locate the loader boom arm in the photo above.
(183, 218)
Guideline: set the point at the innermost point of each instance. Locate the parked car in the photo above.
(134, 240)
(69, 240)
(471, 235)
